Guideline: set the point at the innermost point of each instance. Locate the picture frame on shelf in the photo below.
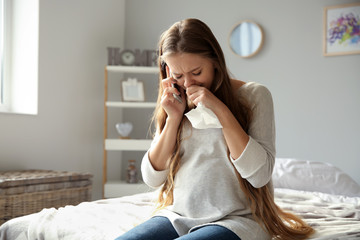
(341, 30)
(133, 90)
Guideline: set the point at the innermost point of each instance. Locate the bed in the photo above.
(323, 195)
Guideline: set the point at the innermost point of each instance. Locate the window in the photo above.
(2, 34)
(5, 27)
(19, 56)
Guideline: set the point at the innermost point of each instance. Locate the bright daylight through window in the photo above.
(2, 37)
(19, 38)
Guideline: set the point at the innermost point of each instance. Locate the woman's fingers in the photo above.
(199, 94)
(195, 93)
(172, 93)
(167, 71)
(166, 82)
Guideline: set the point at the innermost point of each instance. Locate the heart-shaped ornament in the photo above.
(124, 129)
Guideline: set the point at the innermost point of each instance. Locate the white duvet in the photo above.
(332, 216)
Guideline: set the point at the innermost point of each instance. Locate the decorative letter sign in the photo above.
(127, 57)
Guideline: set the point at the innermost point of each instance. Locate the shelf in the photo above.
(132, 69)
(127, 144)
(131, 104)
(122, 188)
(117, 189)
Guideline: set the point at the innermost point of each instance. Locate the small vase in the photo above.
(131, 172)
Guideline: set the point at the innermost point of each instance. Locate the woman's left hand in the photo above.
(235, 137)
(198, 94)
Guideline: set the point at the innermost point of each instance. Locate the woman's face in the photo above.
(191, 69)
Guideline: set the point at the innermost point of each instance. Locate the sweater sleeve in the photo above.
(257, 160)
(152, 177)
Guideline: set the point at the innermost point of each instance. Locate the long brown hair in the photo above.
(194, 36)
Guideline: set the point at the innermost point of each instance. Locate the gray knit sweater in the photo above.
(206, 189)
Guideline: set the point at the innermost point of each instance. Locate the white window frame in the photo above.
(5, 44)
(2, 31)
(20, 62)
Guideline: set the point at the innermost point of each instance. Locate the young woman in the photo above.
(215, 182)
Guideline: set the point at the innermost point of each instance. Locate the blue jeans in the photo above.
(160, 228)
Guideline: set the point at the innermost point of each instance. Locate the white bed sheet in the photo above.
(332, 216)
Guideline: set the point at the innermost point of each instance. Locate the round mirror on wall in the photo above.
(246, 39)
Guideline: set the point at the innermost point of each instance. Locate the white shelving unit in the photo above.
(131, 104)
(120, 188)
(127, 145)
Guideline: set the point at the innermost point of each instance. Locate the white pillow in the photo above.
(313, 176)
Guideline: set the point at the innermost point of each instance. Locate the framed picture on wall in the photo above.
(133, 90)
(341, 30)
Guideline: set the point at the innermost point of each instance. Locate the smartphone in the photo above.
(163, 67)
(174, 85)
(177, 97)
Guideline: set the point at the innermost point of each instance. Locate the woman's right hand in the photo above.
(173, 108)
(162, 150)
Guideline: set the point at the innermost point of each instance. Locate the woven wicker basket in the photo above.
(29, 191)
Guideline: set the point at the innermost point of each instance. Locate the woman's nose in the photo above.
(188, 81)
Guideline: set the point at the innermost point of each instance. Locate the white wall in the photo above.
(67, 133)
(316, 98)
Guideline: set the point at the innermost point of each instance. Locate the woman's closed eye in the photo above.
(177, 77)
(196, 73)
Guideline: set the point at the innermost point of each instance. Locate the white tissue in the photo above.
(202, 118)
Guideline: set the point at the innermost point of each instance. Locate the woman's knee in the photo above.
(211, 232)
(156, 228)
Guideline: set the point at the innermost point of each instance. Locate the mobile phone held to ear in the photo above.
(174, 85)
(177, 97)
(163, 66)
